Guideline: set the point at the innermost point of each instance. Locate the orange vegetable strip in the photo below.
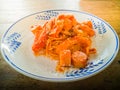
(65, 58)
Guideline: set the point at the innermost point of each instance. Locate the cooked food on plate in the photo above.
(66, 40)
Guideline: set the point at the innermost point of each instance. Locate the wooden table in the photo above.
(12, 10)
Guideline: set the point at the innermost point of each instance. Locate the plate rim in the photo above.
(6, 58)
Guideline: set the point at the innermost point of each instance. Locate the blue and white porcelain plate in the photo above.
(17, 41)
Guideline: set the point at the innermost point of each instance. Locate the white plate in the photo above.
(17, 41)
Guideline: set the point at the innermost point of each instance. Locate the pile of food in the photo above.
(65, 39)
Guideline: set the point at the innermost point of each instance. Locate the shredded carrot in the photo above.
(64, 34)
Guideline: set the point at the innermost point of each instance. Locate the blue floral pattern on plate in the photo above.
(84, 71)
(12, 42)
(47, 15)
(99, 26)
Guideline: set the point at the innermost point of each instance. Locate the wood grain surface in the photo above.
(12, 10)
